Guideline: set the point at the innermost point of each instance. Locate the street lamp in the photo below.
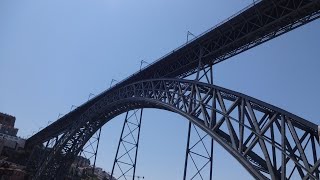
(113, 80)
(143, 62)
(189, 34)
(90, 96)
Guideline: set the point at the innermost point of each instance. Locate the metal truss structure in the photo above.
(90, 150)
(255, 24)
(39, 153)
(268, 141)
(125, 161)
(198, 152)
(202, 159)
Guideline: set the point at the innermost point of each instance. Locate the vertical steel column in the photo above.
(203, 74)
(130, 136)
(187, 153)
(135, 159)
(115, 158)
(211, 158)
(319, 132)
(96, 152)
(206, 157)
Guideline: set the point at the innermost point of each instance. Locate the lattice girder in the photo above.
(256, 24)
(268, 141)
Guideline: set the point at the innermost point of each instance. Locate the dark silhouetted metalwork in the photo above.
(269, 142)
(90, 150)
(258, 23)
(202, 162)
(126, 156)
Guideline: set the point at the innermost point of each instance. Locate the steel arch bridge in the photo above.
(268, 141)
(246, 136)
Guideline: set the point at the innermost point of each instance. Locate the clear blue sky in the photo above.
(54, 53)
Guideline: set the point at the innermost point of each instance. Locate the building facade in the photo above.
(7, 124)
(8, 133)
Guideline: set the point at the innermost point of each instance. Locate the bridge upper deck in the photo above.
(252, 26)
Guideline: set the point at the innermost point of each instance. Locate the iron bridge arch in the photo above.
(269, 142)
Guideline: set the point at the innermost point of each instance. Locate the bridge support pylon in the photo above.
(124, 165)
(319, 132)
(199, 153)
